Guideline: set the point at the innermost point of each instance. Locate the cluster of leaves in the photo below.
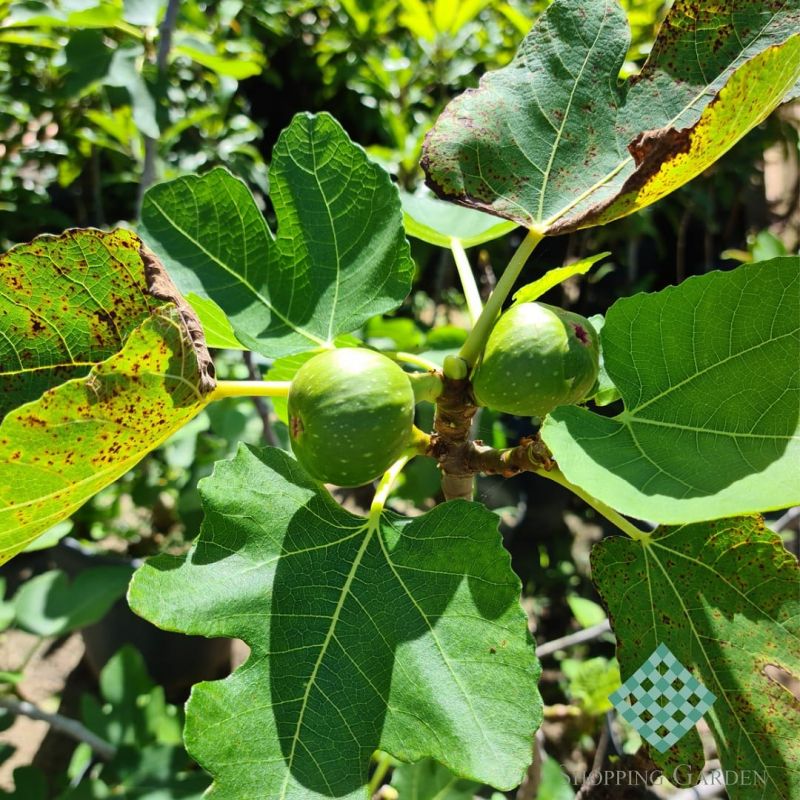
(142, 731)
(83, 92)
(405, 634)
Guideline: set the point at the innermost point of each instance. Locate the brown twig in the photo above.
(165, 32)
(461, 458)
(259, 402)
(597, 765)
(529, 788)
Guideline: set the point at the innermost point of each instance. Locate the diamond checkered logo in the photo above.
(662, 699)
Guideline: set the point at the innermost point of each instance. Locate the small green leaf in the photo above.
(101, 361)
(724, 597)
(339, 257)
(554, 783)
(591, 682)
(429, 780)
(405, 635)
(708, 371)
(586, 612)
(231, 65)
(49, 605)
(555, 142)
(216, 327)
(533, 291)
(432, 220)
(605, 392)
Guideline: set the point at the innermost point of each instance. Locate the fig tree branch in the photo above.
(57, 722)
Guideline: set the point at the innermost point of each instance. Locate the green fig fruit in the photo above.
(351, 414)
(537, 357)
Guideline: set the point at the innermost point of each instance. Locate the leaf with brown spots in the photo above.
(555, 142)
(724, 597)
(118, 365)
(66, 303)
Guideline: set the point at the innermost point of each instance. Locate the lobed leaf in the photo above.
(339, 257)
(95, 331)
(555, 142)
(725, 599)
(406, 635)
(708, 374)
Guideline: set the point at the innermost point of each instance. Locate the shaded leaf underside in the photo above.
(406, 637)
(724, 597)
(555, 142)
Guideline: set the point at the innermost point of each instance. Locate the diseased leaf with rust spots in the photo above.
(668, 158)
(143, 372)
(552, 140)
(66, 302)
(724, 597)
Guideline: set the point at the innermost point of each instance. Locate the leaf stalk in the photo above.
(467, 278)
(473, 346)
(614, 517)
(225, 389)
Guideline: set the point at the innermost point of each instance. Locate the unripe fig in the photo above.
(351, 413)
(537, 357)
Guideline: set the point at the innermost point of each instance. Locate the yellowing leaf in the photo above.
(118, 366)
(668, 158)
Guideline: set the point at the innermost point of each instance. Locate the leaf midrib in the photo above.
(548, 223)
(237, 277)
(311, 682)
(720, 688)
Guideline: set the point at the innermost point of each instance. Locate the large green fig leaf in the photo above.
(428, 780)
(339, 257)
(724, 597)
(708, 372)
(100, 361)
(404, 635)
(555, 142)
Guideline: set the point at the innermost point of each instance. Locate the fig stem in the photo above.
(410, 358)
(385, 486)
(250, 389)
(467, 278)
(427, 386)
(614, 517)
(476, 340)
